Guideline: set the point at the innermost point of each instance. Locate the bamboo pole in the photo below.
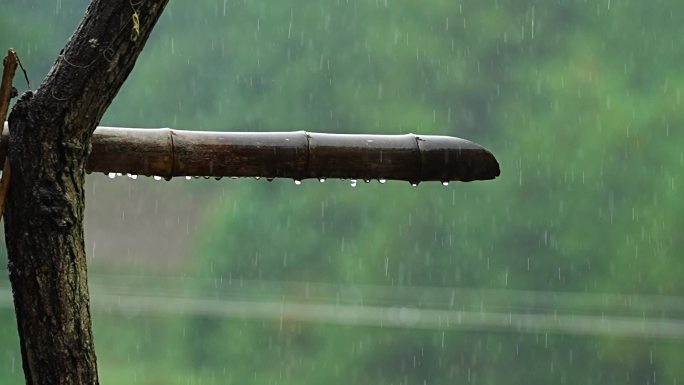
(298, 155)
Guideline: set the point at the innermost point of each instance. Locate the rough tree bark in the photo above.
(50, 132)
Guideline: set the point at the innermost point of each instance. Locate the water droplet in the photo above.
(233, 177)
(353, 182)
(218, 177)
(322, 180)
(206, 176)
(132, 176)
(270, 179)
(119, 174)
(157, 177)
(382, 181)
(257, 177)
(366, 181)
(298, 182)
(414, 184)
(188, 177)
(445, 183)
(111, 175)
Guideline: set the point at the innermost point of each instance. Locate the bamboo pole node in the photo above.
(172, 152)
(419, 160)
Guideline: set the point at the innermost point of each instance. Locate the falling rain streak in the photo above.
(572, 254)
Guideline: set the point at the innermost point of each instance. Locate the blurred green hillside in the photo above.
(580, 101)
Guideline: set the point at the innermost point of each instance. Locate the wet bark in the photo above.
(50, 132)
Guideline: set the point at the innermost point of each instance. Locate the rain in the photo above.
(563, 270)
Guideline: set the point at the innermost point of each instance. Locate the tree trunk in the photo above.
(50, 134)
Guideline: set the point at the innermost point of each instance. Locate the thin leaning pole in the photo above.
(297, 155)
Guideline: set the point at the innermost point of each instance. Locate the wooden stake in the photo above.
(10, 64)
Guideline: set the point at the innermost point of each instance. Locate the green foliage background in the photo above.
(580, 101)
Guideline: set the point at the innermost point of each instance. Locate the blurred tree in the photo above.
(579, 100)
